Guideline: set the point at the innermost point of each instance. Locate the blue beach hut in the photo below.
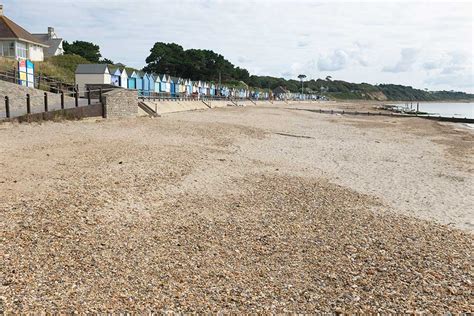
(151, 88)
(140, 82)
(146, 84)
(132, 80)
(174, 84)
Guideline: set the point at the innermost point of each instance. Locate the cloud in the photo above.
(360, 53)
(343, 58)
(453, 69)
(302, 44)
(336, 61)
(430, 65)
(406, 62)
(243, 60)
(457, 81)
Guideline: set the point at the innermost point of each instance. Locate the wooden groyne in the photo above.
(369, 113)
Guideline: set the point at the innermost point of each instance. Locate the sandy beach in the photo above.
(254, 209)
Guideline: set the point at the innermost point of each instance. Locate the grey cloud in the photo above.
(303, 44)
(451, 63)
(430, 65)
(242, 59)
(451, 69)
(336, 61)
(459, 81)
(407, 59)
(454, 70)
(341, 58)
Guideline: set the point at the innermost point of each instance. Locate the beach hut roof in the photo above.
(92, 69)
(115, 71)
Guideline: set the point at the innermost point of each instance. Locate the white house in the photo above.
(92, 74)
(17, 43)
(53, 41)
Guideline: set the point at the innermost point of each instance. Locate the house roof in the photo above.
(11, 30)
(91, 69)
(53, 43)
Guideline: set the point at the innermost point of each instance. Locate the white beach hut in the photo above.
(92, 74)
(124, 79)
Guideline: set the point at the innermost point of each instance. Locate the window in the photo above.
(7, 49)
(21, 51)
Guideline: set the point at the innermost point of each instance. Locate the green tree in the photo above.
(196, 64)
(166, 58)
(88, 50)
(106, 61)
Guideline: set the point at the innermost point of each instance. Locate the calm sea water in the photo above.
(448, 109)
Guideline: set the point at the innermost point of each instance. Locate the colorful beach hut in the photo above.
(189, 87)
(157, 83)
(173, 84)
(212, 90)
(124, 79)
(115, 77)
(132, 80)
(151, 89)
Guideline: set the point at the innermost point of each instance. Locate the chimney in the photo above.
(50, 32)
(1, 9)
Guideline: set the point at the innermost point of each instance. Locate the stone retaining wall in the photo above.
(120, 103)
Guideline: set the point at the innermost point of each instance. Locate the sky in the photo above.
(424, 44)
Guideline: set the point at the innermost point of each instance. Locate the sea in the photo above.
(462, 110)
(446, 109)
